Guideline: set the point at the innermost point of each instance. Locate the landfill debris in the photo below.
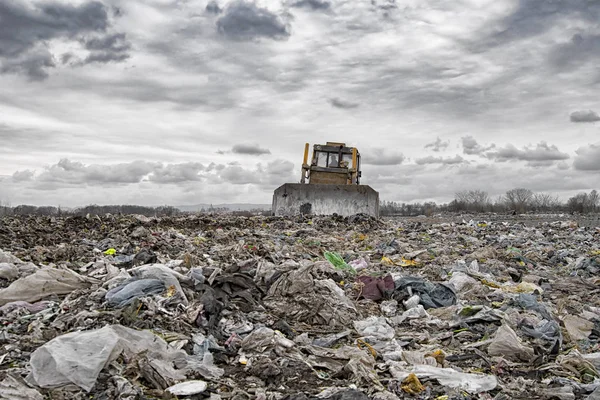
(225, 307)
(187, 388)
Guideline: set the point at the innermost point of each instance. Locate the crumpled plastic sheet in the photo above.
(44, 283)
(433, 295)
(78, 357)
(296, 295)
(8, 271)
(374, 329)
(13, 388)
(32, 308)
(472, 383)
(507, 344)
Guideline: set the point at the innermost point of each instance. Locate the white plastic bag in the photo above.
(78, 357)
(44, 283)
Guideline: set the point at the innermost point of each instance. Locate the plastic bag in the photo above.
(472, 383)
(187, 388)
(43, 283)
(8, 271)
(128, 291)
(374, 328)
(507, 344)
(13, 388)
(78, 357)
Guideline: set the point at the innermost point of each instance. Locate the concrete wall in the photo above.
(345, 200)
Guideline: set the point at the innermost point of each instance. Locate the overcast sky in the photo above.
(183, 101)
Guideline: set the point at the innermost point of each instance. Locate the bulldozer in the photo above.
(329, 185)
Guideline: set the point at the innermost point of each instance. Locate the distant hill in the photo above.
(231, 207)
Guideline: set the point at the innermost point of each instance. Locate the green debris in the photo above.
(338, 262)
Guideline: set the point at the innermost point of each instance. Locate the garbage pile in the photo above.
(222, 307)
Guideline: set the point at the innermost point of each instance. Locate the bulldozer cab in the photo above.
(332, 163)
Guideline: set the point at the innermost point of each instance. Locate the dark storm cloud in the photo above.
(312, 4)
(588, 158)
(534, 17)
(244, 20)
(437, 145)
(584, 116)
(34, 64)
(576, 52)
(381, 156)
(25, 31)
(108, 48)
(339, 103)
(250, 149)
(542, 152)
(440, 160)
(471, 147)
(213, 8)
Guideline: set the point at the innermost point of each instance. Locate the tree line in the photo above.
(93, 209)
(516, 201)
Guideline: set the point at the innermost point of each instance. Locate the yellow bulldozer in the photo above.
(329, 185)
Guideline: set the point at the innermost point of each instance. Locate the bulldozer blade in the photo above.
(322, 199)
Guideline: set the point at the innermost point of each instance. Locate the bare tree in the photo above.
(518, 199)
(593, 200)
(544, 202)
(472, 200)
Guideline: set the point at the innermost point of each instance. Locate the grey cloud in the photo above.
(107, 48)
(25, 30)
(34, 64)
(246, 21)
(176, 173)
(339, 103)
(588, 158)
(542, 152)
(574, 53)
(584, 116)
(381, 156)
(280, 167)
(20, 176)
(471, 147)
(238, 175)
(534, 17)
(72, 172)
(213, 8)
(313, 4)
(251, 149)
(440, 160)
(67, 173)
(437, 145)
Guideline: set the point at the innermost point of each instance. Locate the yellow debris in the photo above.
(171, 291)
(408, 263)
(360, 343)
(523, 287)
(387, 261)
(490, 284)
(412, 385)
(110, 252)
(439, 356)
